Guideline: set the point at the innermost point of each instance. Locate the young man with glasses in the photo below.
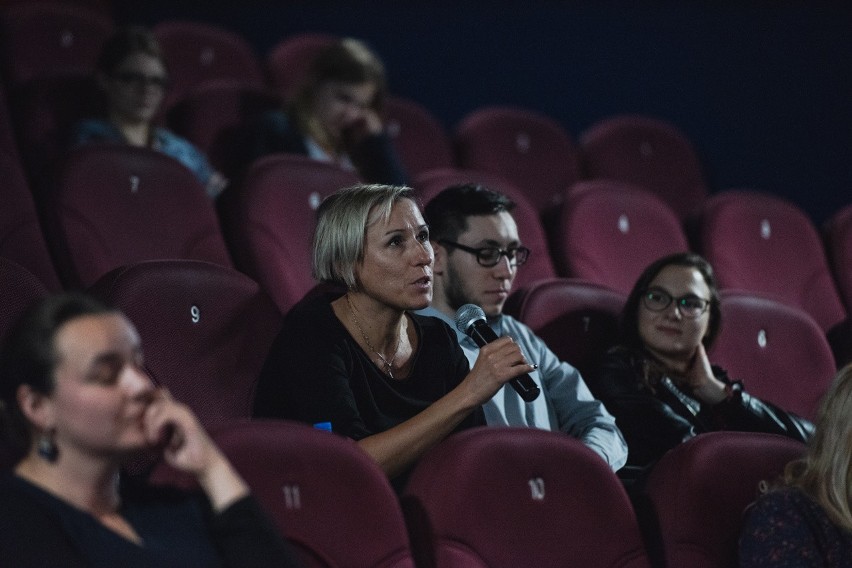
(659, 382)
(477, 255)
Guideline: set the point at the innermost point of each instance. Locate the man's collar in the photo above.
(495, 323)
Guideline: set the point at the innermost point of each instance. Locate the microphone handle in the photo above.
(524, 385)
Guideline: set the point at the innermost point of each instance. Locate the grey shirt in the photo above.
(567, 405)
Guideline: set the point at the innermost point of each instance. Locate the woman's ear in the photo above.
(36, 407)
(440, 258)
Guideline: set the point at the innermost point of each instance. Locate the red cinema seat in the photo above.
(288, 62)
(767, 245)
(608, 232)
(509, 497)
(206, 330)
(699, 490)
(197, 52)
(117, 205)
(46, 39)
(328, 497)
(648, 152)
(271, 223)
(778, 351)
(577, 319)
(419, 137)
(528, 148)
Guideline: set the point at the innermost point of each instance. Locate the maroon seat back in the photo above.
(539, 266)
(608, 232)
(699, 491)
(21, 237)
(45, 39)
(44, 112)
(528, 148)
(508, 497)
(648, 152)
(117, 205)
(271, 224)
(288, 62)
(8, 136)
(214, 117)
(766, 244)
(206, 335)
(578, 320)
(197, 52)
(19, 289)
(419, 138)
(328, 497)
(778, 351)
(838, 239)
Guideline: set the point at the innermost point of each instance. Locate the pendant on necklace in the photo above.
(388, 368)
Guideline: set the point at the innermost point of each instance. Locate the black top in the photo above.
(316, 372)
(374, 156)
(656, 419)
(179, 529)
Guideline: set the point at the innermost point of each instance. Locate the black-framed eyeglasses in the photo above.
(690, 305)
(137, 80)
(490, 256)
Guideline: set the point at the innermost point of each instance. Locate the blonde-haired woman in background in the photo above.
(805, 520)
(336, 116)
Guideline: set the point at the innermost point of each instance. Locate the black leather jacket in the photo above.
(656, 420)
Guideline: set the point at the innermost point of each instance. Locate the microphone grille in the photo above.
(466, 315)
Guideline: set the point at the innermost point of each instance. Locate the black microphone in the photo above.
(470, 320)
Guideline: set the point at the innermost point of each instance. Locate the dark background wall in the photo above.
(762, 88)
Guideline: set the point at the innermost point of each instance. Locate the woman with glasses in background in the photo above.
(132, 74)
(659, 383)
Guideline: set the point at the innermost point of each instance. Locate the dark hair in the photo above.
(28, 356)
(126, 41)
(448, 211)
(630, 315)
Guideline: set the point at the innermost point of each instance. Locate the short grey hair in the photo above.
(342, 222)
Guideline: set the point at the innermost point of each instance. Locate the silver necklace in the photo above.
(388, 365)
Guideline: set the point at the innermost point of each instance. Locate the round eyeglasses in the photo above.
(689, 306)
(490, 256)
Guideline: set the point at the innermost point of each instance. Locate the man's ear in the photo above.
(440, 258)
(36, 407)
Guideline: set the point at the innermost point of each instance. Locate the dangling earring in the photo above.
(47, 448)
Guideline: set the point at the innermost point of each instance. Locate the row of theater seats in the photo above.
(488, 497)
(105, 246)
(503, 497)
(182, 307)
(604, 230)
(115, 206)
(218, 84)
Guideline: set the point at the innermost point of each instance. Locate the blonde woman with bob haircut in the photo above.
(806, 519)
(361, 362)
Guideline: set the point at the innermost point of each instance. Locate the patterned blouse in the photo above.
(786, 528)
